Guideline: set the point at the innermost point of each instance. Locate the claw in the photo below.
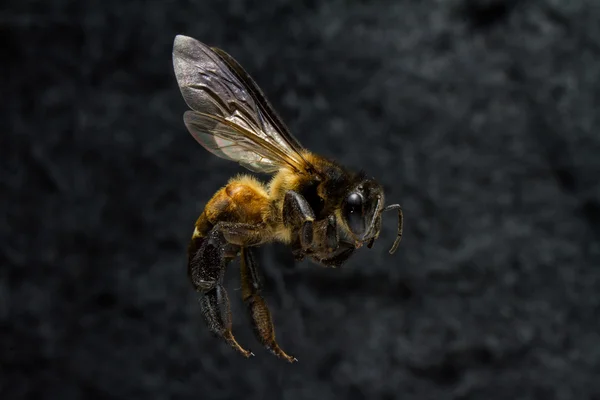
(228, 336)
(247, 354)
(275, 349)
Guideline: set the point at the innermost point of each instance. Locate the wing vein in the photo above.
(231, 117)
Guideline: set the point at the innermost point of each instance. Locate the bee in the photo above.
(319, 208)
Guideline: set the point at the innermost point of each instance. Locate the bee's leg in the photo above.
(299, 216)
(259, 311)
(325, 235)
(240, 234)
(217, 314)
(308, 235)
(206, 270)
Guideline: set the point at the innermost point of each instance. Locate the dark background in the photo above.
(479, 117)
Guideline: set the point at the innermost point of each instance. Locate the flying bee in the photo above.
(320, 209)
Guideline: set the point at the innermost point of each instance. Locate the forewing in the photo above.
(231, 116)
(266, 111)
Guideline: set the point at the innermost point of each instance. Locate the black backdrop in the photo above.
(480, 117)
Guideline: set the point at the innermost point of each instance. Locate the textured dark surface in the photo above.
(480, 117)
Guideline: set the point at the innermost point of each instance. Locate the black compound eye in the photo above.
(353, 212)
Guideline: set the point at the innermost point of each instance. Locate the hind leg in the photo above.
(206, 270)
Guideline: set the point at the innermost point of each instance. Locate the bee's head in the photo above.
(362, 208)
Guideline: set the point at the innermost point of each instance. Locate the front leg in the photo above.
(325, 235)
(298, 216)
(308, 236)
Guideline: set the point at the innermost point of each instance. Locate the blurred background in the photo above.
(479, 116)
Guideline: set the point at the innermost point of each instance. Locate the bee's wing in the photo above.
(233, 141)
(231, 117)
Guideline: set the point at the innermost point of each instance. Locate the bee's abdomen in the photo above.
(243, 199)
(203, 226)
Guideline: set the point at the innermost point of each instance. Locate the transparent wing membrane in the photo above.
(231, 117)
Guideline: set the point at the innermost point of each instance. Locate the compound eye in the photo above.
(354, 214)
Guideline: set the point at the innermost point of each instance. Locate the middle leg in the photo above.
(257, 306)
